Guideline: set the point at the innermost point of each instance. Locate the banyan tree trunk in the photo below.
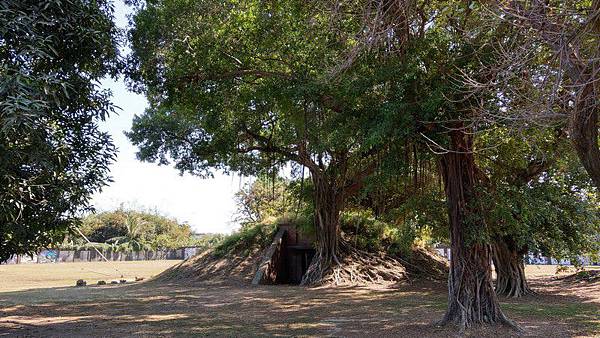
(510, 270)
(584, 120)
(471, 296)
(328, 205)
(584, 131)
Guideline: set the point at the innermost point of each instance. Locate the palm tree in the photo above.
(133, 238)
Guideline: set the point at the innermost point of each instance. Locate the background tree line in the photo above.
(130, 230)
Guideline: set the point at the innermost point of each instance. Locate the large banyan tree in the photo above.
(336, 87)
(453, 44)
(246, 86)
(475, 86)
(536, 202)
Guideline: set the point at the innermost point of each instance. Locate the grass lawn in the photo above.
(560, 309)
(32, 276)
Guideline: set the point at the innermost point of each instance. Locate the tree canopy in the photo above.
(52, 154)
(347, 90)
(257, 88)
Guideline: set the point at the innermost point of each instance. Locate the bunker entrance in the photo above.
(287, 258)
(296, 260)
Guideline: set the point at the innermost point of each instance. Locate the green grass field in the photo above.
(32, 276)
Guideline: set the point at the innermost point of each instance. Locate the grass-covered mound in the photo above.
(403, 242)
(425, 263)
(236, 259)
(587, 276)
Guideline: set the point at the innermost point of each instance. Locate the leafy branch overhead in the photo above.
(52, 154)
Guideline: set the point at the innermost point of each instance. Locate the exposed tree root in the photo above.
(472, 300)
(513, 286)
(463, 324)
(351, 266)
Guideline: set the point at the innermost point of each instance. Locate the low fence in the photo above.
(533, 259)
(61, 256)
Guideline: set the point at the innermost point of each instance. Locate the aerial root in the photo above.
(355, 267)
(463, 321)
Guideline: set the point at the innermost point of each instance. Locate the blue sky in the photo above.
(206, 204)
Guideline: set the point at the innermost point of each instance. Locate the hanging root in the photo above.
(353, 267)
(511, 280)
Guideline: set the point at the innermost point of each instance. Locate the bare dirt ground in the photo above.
(562, 308)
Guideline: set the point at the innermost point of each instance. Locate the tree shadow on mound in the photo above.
(229, 310)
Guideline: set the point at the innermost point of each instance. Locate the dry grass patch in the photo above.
(32, 276)
(176, 309)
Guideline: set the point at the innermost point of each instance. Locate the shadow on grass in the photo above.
(224, 310)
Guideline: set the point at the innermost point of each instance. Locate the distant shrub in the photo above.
(208, 240)
(265, 198)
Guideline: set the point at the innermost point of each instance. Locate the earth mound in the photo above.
(587, 276)
(425, 263)
(236, 262)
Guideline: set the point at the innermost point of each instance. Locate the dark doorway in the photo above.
(297, 260)
(287, 258)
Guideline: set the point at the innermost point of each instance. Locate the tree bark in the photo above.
(584, 120)
(581, 69)
(510, 269)
(471, 296)
(583, 128)
(329, 201)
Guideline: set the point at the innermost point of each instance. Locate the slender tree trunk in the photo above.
(329, 202)
(510, 270)
(471, 296)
